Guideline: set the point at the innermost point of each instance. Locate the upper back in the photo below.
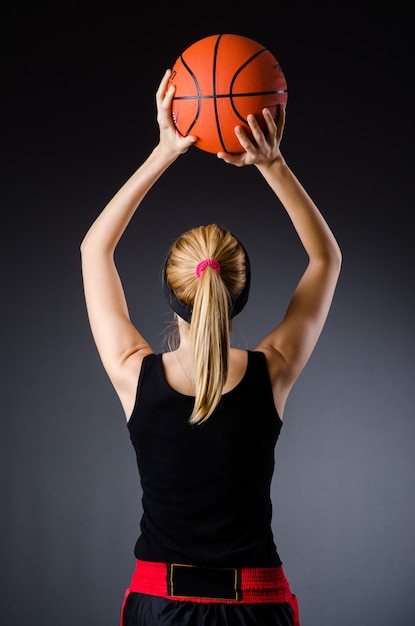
(193, 475)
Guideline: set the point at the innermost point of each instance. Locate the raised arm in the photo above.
(290, 344)
(120, 345)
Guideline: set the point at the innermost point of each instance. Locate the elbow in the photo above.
(334, 259)
(331, 258)
(333, 254)
(87, 245)
(91, 248)
(335, 262)
(337, 257)
(85, 242)
(82, 246)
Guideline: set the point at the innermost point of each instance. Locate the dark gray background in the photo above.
(78, 116)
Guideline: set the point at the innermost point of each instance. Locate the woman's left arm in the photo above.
(120, 345)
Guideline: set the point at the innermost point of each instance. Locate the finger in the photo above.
(281, 122)
(163, 86)
(243, 138)
(190, 139)
(168, 97)
(232, 159)
(165, 107)
(269, 121)
(255, 129)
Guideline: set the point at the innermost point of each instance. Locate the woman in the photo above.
(204, 418)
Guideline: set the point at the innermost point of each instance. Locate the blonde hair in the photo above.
(210, 297)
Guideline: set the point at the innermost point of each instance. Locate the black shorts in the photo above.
(146, 610)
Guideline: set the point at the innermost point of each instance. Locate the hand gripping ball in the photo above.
(219, 80)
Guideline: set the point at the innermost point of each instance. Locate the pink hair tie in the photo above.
(200, 267)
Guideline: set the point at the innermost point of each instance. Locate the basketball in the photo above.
(218, 81)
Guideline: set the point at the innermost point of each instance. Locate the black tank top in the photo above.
(206, 488)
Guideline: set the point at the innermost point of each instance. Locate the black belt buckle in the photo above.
(210, 583)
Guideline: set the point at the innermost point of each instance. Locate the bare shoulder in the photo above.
(238, 362)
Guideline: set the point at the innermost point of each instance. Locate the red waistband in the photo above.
(240, 585)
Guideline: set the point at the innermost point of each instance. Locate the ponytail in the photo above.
(210, 343)
(206, 280)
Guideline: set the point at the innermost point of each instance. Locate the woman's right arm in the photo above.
(290, 344)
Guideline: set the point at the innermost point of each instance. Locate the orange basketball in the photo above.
(220, 80)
